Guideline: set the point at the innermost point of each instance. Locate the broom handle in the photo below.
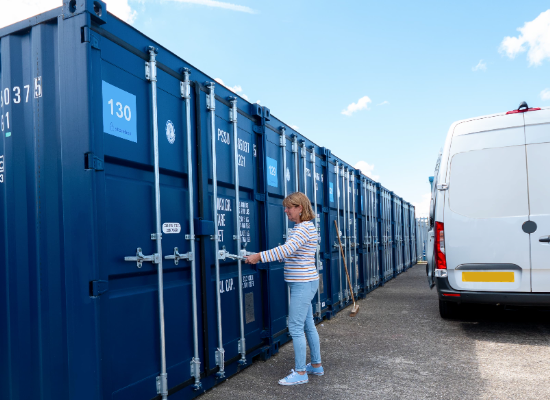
(344, 257)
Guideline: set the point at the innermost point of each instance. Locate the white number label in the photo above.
(28, 87)
(126, 112)
(38, 87)
(272, 170)
(7, 125)
(17, 92)
(6, 96)
(242, 161)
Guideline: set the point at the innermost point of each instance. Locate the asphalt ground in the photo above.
(398, 347)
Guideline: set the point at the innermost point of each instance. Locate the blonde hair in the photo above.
(300, 199)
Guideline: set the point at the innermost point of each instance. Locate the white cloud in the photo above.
(294, 127)
(481, 66)
(422, 208)
(257, 101)
(366, 169)
(122, 9)
(220, 4)
(362, 104)
(15, 11)
(235, 89)
(535, 35)
(545, 94)
(384, 103)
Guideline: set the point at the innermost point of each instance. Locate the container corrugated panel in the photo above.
(386, 234)
(371, 236)
(131, 188)
(406, 236)
(412, 237)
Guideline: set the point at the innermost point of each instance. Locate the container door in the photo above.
(131, 336)
(537, 134)
(486, 207)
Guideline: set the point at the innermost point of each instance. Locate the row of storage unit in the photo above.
(422, 228)
(131, 188)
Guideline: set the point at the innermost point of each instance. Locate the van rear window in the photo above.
(489, 183)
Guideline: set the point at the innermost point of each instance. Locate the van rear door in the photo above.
(537, 136)
(486, 206)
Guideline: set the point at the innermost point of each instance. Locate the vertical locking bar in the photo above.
(354, 186)
(366, 233)
(296, 165)
(337, 170)
(195, 362)
(211, 106)
(345, 226)
(348, 233)
(317, 229)
(304, 153)
(283, 147)
(162, 379)
(233, 118)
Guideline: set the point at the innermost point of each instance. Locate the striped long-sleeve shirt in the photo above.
(298, 253)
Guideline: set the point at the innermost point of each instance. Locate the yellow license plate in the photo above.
(471, 276)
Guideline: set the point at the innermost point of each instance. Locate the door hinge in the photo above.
(93, 162)
(97, 288)
(86, 36)
(260, 197)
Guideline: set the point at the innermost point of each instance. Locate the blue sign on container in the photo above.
(119, 113)
(272, 172)
(331, 191)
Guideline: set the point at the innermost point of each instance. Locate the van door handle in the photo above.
(544, 239)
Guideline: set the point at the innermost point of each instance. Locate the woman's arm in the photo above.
(296, 240)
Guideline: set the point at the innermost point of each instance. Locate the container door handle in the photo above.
(544, 239)
(139, 258)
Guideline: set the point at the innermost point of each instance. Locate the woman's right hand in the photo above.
(253, 258)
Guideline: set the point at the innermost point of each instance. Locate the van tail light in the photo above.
(440, 260)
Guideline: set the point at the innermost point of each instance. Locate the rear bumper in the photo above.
(505, 298)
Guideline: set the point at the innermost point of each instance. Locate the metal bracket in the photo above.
(233, 110)
(177, 256)
(220, 362)
(162, 384)
(185, 86)
(210, 97)
(140, 258)
(443, 186)
(282, 138)
(312, 156)
(93, 162)
(195, 365)
(303, 150)
(150, 71)
(294, 146)
(319, 309)
(189, 237)
(154, 236)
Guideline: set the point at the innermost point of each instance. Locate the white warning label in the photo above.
(171, 227)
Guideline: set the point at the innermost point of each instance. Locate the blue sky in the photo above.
(409, 67)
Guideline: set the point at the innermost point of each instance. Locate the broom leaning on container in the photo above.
(298, 253)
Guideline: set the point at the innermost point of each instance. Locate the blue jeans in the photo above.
(300, 319)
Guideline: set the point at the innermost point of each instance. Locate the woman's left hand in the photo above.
(253, 259)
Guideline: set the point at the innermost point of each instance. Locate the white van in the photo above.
(489, 239)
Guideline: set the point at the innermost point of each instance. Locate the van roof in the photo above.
(487, 116)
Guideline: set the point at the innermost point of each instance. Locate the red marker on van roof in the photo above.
(523, 107)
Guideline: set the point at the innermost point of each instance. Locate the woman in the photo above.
(301, 275)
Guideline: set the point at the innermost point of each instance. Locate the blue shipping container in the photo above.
(131, 188)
